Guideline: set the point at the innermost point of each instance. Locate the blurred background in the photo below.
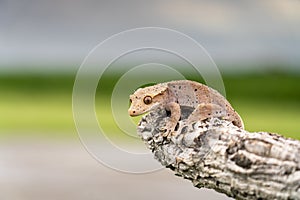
(255, 44)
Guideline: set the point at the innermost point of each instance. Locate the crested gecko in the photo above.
(205, 101)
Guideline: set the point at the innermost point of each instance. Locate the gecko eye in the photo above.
(147, 100)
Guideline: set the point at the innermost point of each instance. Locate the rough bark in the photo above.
(216, 154)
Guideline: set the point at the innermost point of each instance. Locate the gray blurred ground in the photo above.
(53, 169)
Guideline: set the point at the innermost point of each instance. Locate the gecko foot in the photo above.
(168, 133)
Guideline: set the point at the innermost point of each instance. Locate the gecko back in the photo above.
(192, 94)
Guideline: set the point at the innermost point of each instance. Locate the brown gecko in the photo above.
(206, 102)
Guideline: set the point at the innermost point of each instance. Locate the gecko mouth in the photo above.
(134, 113)
(138, 112)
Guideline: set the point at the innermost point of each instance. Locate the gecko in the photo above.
(205, 101)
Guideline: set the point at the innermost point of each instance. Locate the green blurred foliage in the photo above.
(42, 104)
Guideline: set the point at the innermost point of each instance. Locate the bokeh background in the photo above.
(255, 44)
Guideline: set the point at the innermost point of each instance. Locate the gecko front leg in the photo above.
(174, 108)
(205, 111)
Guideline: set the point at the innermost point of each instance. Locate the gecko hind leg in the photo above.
(205, 111)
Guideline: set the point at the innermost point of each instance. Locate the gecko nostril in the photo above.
(133, 111)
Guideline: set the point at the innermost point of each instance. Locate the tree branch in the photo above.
(216, 154)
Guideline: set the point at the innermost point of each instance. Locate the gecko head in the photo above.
(146, 99)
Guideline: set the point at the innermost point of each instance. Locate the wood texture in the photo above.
(218, 155)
